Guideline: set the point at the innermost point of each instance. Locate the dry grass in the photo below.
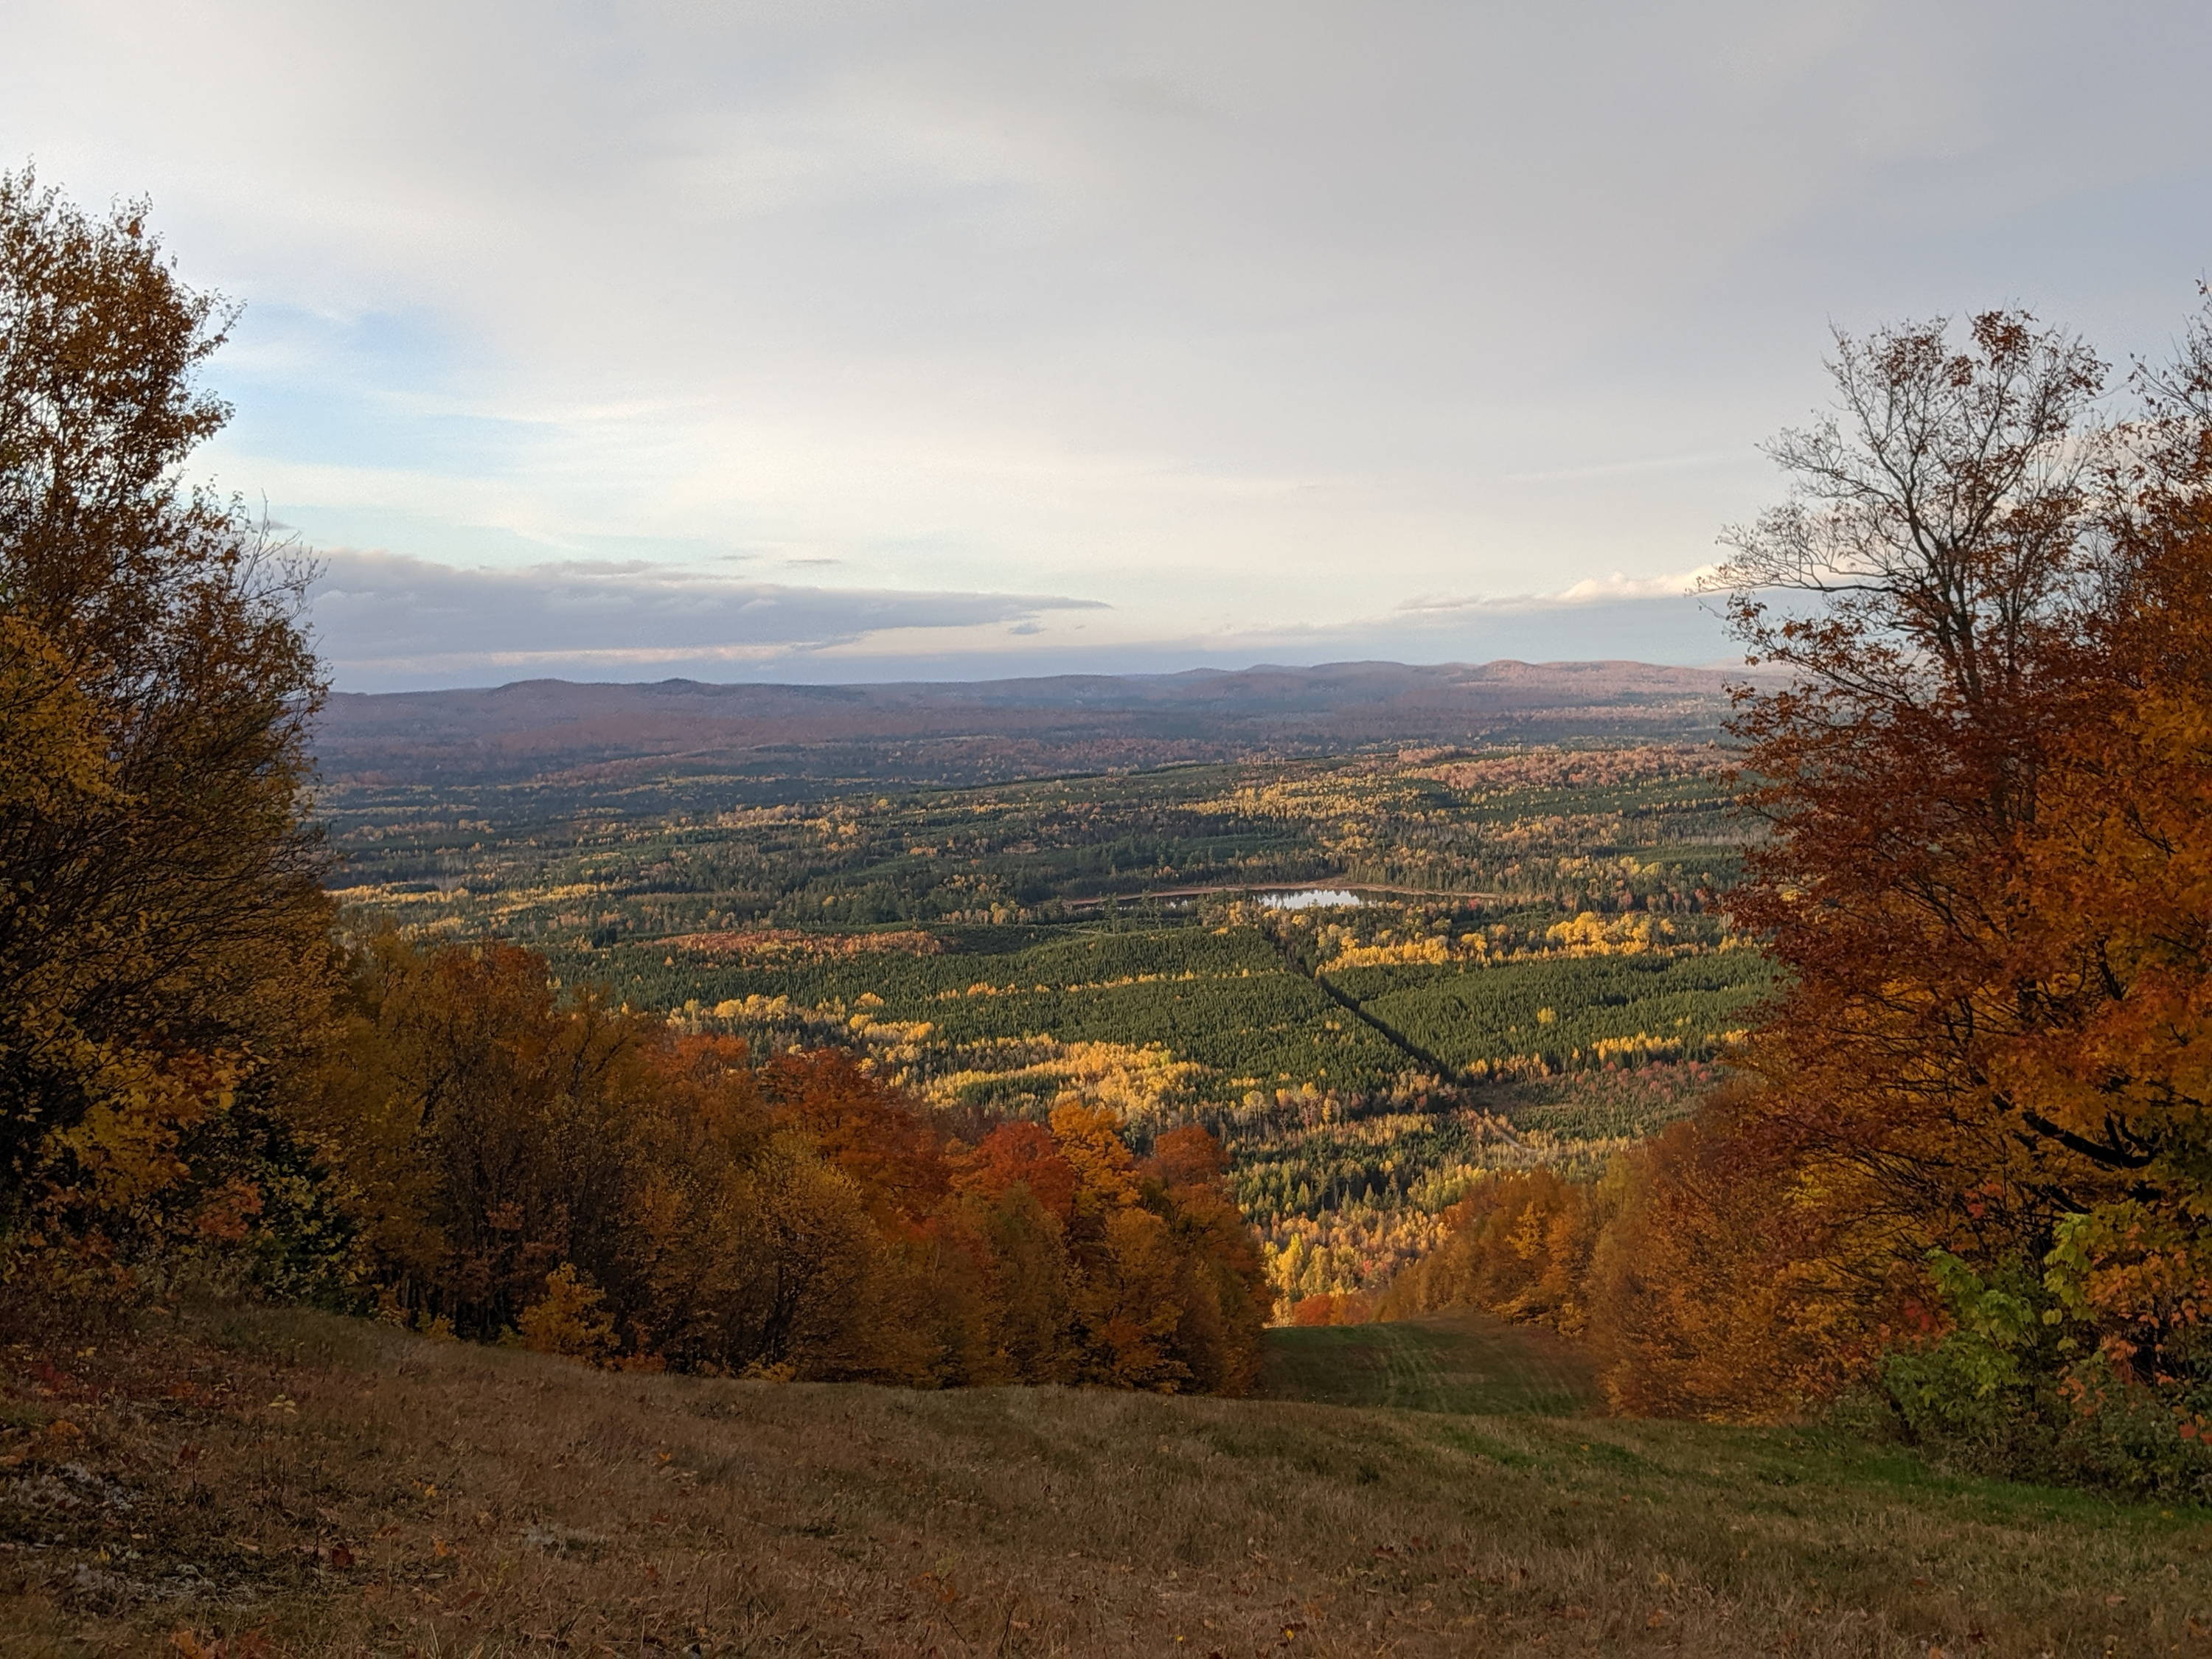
(286, 1483)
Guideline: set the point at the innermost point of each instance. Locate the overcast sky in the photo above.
(822, 341)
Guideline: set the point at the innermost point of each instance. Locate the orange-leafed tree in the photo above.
(1333, 1307)
(1519, 1246)
(1024, 1154)
(1708, 1293)
(523, 1159)
(1985, 793)
(1224, 1294)
(1940, 527)
(1188, 1159)
(2116, 1063)
(1029, 1315)
(860, 1125)
(482, 1127)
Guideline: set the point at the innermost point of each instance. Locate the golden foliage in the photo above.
(163, 948)
(1969, 1161)
(1137, 1083)
(568, 1320)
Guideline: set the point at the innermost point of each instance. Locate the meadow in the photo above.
(278, 1482)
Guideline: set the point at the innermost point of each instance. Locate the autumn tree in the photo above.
(1518, 1245)
(2112, 1058)
(1937, 547)
(1984, 789)
(521, 1161)
(1969, 1155)
(190, 1055)
(1022, 1154)
(162, 932)
(863, 1129)
(484, 1125)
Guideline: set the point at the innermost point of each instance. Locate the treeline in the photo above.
(202, 1083)
(1643, 1264)
(1965, 1178)
(1025, 851)
(1221, 997)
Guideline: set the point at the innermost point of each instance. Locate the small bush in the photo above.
(2017, 1386)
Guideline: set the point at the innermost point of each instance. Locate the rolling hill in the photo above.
(993, 730)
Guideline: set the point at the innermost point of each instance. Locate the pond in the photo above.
(1311, 898)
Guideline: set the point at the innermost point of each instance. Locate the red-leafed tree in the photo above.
(1021, 1153)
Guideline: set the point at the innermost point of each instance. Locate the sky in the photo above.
(942, 339)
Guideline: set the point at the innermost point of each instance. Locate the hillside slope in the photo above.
(288, 1483)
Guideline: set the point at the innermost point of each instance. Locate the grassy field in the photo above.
(287, 1483)
(1466, 1363)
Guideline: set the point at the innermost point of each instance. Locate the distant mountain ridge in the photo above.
(998, 728)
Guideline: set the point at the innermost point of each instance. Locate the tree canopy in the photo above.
(1967, 1159)
(162, 925)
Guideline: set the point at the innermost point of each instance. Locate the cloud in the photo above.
(1239, 316)
(1591, 590)
(1678, 629)
(1620, 586)
(383, 619)
(387, 622)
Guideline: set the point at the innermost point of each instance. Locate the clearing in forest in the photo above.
(1456, 1362)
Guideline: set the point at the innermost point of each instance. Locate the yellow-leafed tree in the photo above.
(163, 938)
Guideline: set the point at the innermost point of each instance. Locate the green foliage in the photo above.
(967, 938)
(1553, 1016)
(656, 858)
(2016, 1385)
(1973, 1385)
(1224, 999)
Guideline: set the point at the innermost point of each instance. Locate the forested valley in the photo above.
(1527, 968)
(1819, 1099)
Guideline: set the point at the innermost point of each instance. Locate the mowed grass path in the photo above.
(1466, 1363)
(260, 1484)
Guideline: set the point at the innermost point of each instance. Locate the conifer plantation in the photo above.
(372, 1283)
